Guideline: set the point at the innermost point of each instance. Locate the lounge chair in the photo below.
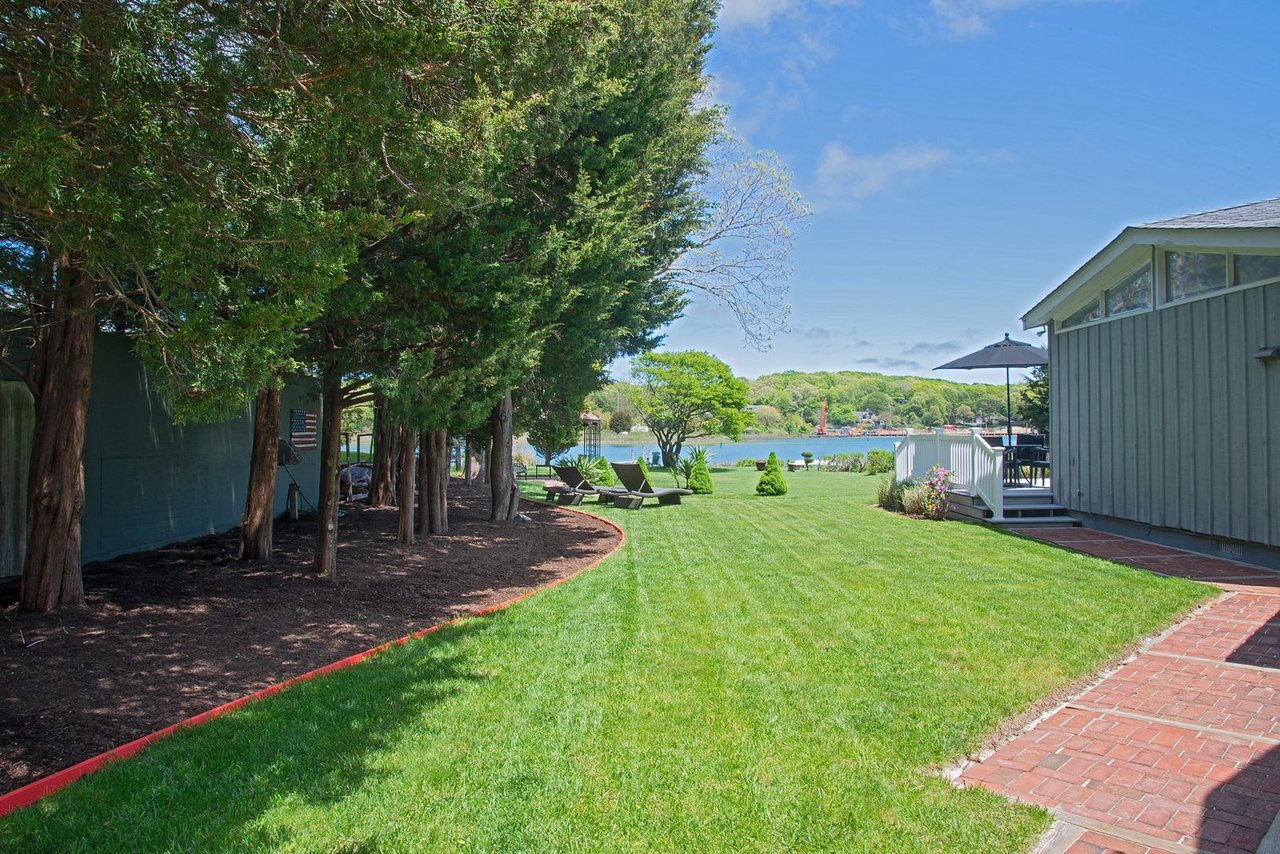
(638, 488)
(576, 487)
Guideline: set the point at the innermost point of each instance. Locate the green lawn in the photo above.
(744, 674)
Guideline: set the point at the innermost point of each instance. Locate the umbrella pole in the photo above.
(1008, 407)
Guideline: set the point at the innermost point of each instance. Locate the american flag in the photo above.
(302, 429)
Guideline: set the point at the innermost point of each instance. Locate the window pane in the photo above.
(1256, 268)
(1132, 294)
(1092, 311)
(1190, 273)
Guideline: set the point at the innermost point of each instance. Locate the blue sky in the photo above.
(962, 157)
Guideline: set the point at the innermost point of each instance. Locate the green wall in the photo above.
(149, 482)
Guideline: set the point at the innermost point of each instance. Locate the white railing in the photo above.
(975, 466)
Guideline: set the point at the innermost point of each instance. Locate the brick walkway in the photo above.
(1177, 750)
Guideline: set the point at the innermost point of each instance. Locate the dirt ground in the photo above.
(173, 632)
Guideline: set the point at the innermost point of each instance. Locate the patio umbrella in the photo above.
(1002, 354)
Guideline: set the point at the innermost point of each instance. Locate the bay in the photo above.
(728, 453)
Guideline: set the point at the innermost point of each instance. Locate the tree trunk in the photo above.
(260, 499)
(404, 518)
(326, 560)
(446, 453)
(382, 486)
(466, 461)
(671, 453)
(424, 479)
(502, 480)
(484, 463)
(435, 488)
(63, 378)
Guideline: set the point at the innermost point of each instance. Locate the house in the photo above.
(1165, 383)
(148, 481)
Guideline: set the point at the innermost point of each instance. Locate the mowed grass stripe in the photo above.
(745, 674)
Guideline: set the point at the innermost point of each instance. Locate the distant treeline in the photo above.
(791, 401)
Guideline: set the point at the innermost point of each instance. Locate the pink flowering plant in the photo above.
(933, 497)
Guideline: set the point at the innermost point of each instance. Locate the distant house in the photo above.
(1165, 383)
(148, 481)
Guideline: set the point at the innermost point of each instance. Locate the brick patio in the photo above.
(1177, 750)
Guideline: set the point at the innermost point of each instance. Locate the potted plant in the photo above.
(760, 464)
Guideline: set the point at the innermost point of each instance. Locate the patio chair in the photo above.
(638, 488)
(576, 486)
(1034, 459)
(1022, 462)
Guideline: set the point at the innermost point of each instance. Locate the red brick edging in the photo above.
(45, 786)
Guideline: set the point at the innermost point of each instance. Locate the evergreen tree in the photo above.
(700, 477)
(1033, 407)
(771, 480)
(163, 177)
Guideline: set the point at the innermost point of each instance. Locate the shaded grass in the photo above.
(744, 674)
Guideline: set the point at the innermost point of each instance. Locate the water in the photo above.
(728, 453)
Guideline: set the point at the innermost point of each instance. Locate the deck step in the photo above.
(968, 513)
(1066, 521)
(1022, 508)
(1033, 505)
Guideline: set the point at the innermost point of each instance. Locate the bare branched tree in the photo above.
(740, 258)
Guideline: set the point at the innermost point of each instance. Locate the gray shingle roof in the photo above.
(1264, 214)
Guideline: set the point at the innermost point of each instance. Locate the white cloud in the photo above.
(751, 12)
(760, 13)
(841, 174)
(971, 18)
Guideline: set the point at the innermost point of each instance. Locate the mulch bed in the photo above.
(173, 632)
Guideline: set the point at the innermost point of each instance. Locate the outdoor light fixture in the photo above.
(1267, 353)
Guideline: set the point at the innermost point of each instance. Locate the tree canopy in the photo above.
(685, 395)
(446, 207)
(1033, 405)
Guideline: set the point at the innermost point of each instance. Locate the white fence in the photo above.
(975, 466)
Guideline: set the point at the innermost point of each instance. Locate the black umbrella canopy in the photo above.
(1002, 354)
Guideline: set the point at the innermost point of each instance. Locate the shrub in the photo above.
(890, 493)
(597, 471)
(700, 480)
(522, 459)
(682, 470)
(933, 494)
(847, 462)
(879, 461)
(746, 464)
(772, 481)
(913, 500)
(621, 422)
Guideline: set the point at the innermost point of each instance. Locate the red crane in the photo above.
(822, 419)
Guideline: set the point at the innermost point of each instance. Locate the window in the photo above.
(1256, 268)
(1132, 294)
(1190, 273)
(1092, 311)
